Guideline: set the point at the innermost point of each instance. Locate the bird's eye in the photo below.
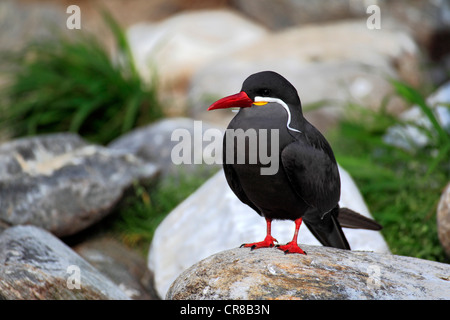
(265, 92)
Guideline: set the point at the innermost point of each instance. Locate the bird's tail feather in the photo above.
(329, 230)
(350, 219)
(332, 235)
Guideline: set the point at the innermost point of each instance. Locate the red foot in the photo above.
(268, 242)
(291, 247)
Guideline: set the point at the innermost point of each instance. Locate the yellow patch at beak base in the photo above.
(260, 103)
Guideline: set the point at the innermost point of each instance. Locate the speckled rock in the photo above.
(122, 265)
(63, 184)
(443, 220)
(325, 273)
(34, 264)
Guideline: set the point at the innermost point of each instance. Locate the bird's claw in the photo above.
(268, 242)
(291, 247)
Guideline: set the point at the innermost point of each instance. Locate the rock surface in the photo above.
(36, 265)
(22, 24)
(125, 267)
(153, 143)
(432, 17)
(288, 13)
(325, 273)
(61, 183)
(179, 45)
(443, 220)
(213, 219)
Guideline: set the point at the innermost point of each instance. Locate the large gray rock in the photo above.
(433, 17)
(213, 219)
(288, 13)
(154, 144)
(24, 23)
(179, 45)
(36, 265)
(122, 265)
(183, 42)
(61, 183)
(325, 273)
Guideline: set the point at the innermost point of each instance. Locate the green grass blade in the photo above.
(131, 112)
(414, 97)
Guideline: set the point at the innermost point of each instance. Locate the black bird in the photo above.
(306, 185)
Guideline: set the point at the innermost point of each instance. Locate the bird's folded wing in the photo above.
(313, 174)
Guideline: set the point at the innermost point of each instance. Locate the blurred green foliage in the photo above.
(74, 85)
(141, 213)
(401, 187)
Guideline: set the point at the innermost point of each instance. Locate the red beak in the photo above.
(239, 100)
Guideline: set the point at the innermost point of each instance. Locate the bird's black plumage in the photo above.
(306, 186)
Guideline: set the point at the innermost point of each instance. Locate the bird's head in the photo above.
(259, 89)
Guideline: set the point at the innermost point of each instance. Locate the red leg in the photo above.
(292, 247)
(268, 241)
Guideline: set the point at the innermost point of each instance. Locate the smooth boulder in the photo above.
(174, 48)
(36, 265)
(322, 274)
(63, 184)
(121, 264)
